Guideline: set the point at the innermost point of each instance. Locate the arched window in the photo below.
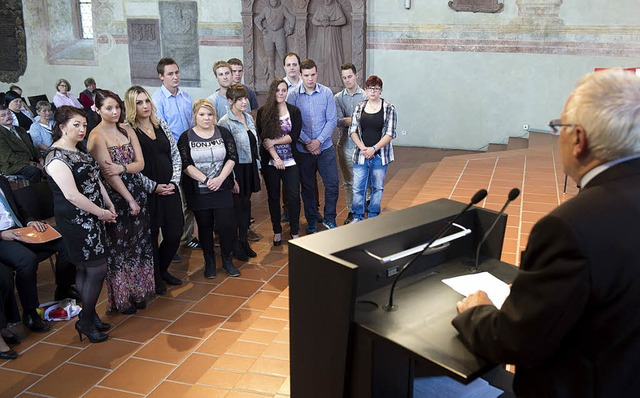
(86, 19)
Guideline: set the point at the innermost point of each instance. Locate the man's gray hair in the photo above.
(607, 105)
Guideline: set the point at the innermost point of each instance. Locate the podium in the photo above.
(343, 343)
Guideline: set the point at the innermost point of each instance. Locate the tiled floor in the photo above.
(228, 337)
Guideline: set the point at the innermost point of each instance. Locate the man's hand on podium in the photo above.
(472, 300)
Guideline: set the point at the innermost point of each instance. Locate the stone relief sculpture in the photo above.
(487, 6)
(276, 23)
(326, 45)
(328, 31)
(13, 43)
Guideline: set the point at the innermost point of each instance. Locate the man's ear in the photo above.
(580, 142)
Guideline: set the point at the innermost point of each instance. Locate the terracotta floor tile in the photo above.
(217, 304)
(101, 392)
(195, 325)
(168, 348)
(277, 350)
(247, 349)
(281, 302)
(270, 366)
(68, 380)
(14, 382)
(166, 308)
(258, 272)
(137, 375)
(276, 313)
(107, 355)
(285, 389)
(258, 336)
(193, 368)
(261, 300)
(219, 341)
(242, 319)
(260, 383)
(245, 394)
(274, 325)
(234, 363)
(282, 337)
(238, 287)
(138, 329)
(220, 378)
(66, 335)
(276, 259)
(42, 358)
(190, 291)
(168, 389)
(277, 284)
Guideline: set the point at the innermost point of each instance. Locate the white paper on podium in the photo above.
(496, 289)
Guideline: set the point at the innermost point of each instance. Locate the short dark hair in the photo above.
(90, 80)
(3, 107)
(235, 91)
(165, 61)
(235, 61)
(347, 66)
(13, 87)
(373, 81)
(308, 64)
(291, 54)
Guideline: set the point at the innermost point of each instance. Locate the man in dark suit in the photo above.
(570, 323)
(24, 257)
(17, 154)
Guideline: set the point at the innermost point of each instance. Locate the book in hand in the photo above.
(32, 235)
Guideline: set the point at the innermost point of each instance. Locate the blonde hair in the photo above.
(206, 104)
(130, 106)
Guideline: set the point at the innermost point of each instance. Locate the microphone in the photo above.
(513, 194)
(477, 197)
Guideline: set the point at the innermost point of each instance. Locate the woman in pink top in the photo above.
(64, 96)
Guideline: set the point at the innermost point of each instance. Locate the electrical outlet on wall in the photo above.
(525, 127)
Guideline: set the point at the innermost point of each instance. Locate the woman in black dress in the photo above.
(161, 177)
(82, 206)
(208, 155)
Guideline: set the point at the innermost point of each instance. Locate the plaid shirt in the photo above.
(389, 128)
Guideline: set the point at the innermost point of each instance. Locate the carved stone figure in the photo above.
(326, 49)
(276, 23)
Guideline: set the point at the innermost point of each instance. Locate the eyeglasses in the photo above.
(62, 85)
(556, 126)
(374, 89)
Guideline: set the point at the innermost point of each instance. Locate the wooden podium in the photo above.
(343, 343)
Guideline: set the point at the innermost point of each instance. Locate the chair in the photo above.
(17, 180)
(37, 200)
(33, 100)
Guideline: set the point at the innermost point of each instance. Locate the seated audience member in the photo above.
(41, 131)
(25, 109)
(9, 313)
(569, 323)
(87, 99)
(17, 153)
(23, 258)
(64, 96)
(13, 101)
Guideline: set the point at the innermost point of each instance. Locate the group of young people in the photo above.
(153, 162)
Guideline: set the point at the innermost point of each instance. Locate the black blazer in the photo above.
(18, 210)
(570, 323)
(296, 126)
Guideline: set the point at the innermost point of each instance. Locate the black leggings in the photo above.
(89, 281)
(223, 219)
(242, 212)
(290, 178)
(170, 220)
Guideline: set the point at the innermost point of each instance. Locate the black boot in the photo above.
(227, 265)
(247, 249)
(209, 266)
(239, 253)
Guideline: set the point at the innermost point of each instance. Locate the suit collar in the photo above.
(615, 172)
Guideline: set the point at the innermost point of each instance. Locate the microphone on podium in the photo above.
(513, 194)
(477, 197)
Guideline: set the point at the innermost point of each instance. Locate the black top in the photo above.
(371, 125)
(157, 156)
(23, 120)
(296, 126)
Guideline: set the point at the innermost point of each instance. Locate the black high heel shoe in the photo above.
(101, 326)
(92, 333)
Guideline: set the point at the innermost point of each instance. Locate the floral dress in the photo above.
(83, 233)
(130, 264)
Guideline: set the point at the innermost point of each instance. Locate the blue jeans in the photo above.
(374, 172)
(326, 166)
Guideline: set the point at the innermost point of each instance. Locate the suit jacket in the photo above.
(16, 153)
(570, 323)
(18, 210)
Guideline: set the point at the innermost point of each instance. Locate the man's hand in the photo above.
(473, 300)
(313, 146)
